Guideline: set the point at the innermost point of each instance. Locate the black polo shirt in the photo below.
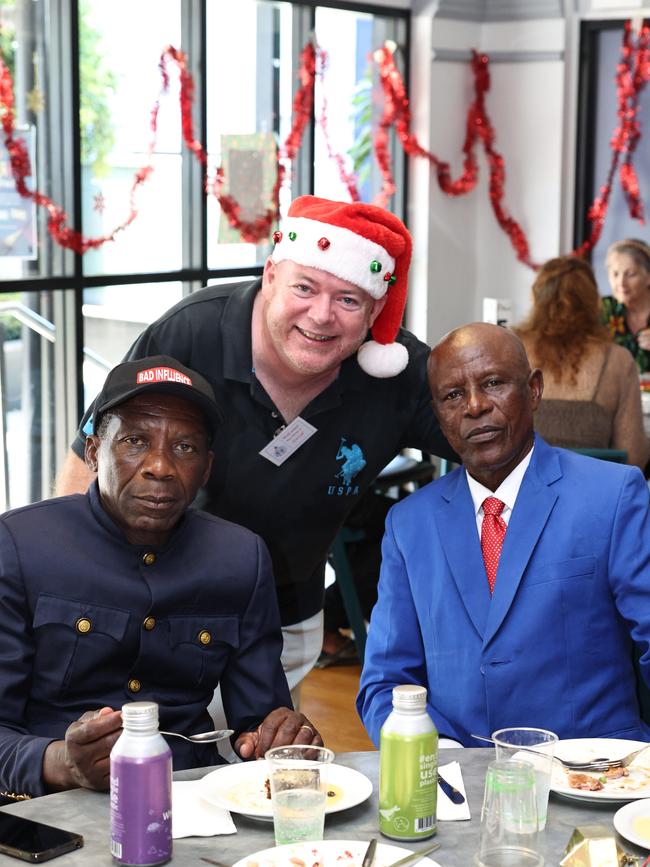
(298, 507)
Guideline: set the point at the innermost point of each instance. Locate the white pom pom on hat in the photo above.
(364, 245)
(382, 360)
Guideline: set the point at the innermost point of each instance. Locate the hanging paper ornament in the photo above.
(35, 100)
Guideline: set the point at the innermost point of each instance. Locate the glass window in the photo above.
(601, 52)
(250, 116)
(245, 124)
(113, 317)
(33, 399)
(120, 44)
(38, 78)
(84, 94)
(347, 101)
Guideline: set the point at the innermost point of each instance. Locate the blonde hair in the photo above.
(634, 247)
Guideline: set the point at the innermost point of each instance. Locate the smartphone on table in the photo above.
(33, 841)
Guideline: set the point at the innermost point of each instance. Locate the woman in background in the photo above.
(627, 313)
(591, 386)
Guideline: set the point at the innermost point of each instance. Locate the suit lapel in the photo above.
(459, 539)
(534, 504)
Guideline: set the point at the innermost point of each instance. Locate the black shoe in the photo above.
(345, 655)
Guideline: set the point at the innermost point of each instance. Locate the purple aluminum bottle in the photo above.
(141, 789)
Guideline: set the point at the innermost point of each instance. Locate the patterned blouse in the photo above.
(613, 316)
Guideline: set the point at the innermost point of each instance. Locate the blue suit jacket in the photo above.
(554, 646)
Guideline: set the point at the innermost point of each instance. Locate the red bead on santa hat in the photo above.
(364, 245)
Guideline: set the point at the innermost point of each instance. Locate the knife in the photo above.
(453, 794)
(414, 857)
(369, 857)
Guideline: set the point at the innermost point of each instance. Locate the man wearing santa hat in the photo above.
(320, 386)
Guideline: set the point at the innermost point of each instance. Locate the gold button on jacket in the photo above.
(134, 685)
(15, 796)
(149, 623)
(149, 558)
(205, 637)
(84, 625)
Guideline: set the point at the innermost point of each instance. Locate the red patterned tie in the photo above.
(493, 530)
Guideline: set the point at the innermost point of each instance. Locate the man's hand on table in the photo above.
(281, 727)
(82, 759)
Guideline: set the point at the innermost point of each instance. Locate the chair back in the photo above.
(619, 456)
(401, 476)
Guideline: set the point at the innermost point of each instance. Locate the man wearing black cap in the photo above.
(123, 594)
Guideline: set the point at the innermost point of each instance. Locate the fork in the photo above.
(605, 764)
(598, 764)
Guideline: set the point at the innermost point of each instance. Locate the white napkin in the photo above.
(194, 817)
(447, 811)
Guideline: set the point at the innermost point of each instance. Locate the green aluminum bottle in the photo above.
(408, 768)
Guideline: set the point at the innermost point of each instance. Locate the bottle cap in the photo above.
(140, 715)
(410, 697)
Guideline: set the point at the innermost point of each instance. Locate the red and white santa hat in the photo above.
(364, 245)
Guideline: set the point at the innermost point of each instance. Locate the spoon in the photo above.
(203, 737)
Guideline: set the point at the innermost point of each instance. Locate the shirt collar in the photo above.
(236, 344)
(506, 492)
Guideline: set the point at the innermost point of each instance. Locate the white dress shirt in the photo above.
(506, 492)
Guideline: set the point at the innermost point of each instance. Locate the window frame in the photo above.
(586, 182)
(67, 285)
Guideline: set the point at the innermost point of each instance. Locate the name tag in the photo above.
(288, 441)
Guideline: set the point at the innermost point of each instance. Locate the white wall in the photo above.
(525, 105)
(461, 252)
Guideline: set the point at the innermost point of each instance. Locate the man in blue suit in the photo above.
(553, 643)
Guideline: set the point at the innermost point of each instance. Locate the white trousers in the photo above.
(302, 646)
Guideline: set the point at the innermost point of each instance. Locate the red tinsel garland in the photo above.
(633, 72)
(62, 234)
(347, 179)
(257, 230)
(632, 83)
(396, 112)
(252, 231)
(478, 127)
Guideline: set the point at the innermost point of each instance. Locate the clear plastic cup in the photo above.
(509, 817)
(508, 743)
(298, 777)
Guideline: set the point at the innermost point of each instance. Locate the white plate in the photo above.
(631, 788)
(624, 822)
(240, 788)
(329, 853)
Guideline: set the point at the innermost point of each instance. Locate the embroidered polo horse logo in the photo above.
(353, 461)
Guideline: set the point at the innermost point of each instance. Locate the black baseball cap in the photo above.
(157, 374)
